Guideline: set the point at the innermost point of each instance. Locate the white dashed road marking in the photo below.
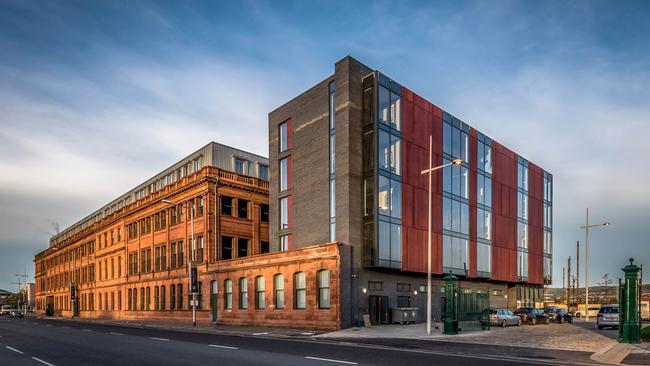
(262, 333)
(15, 350)
(41, 361)
(330, 360)
(226, 347)
(159, 339)
(86, 330)
(115, 333)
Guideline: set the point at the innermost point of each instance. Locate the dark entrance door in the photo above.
(378, 309)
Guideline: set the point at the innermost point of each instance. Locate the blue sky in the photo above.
(97, 96)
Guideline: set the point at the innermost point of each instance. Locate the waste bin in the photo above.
(404, 315)
(400, 315)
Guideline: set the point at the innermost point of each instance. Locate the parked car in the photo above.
(608, 316)
(5, 309)
(533, 316)
(593, 311)
(15, 313)
(558, 314)
(503, 317)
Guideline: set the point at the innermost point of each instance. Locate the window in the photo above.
(162, 298)
(264, 212)
(389, 247)
(163, 257)
(323, 279)
(284, 242)
(283, 132)
(173, 262)
(263, 171)
(179, 287)
(242, 209)
(226, 206)
(142, 299)
(156, 297)
(259, 292)
(300, 290)
(242, 247)
(264, 247)
(228, 294)
(130, 299)
(375, 286)
(199, 249)
(199, 206)
(172, 297)
(278, 291)
(284, 174)
(197, 164)
(403, 301)
(158, 259)
(389, 153)
(181, 253)
(284, 213)
(226, 247)
(243, 293)
(148, 298)
(241, 166)
(455, 254)
(389, 197)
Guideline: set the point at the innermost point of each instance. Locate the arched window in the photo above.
(299, 290)
(130, 296)
(163, 300)
(243, 293)
(323, 282)
(172, 297)
(278, 291)
(156, 298)
(142, 298)
(180, 295)
(148, 298)
(227, 285)
(260, 288)
(135, 299)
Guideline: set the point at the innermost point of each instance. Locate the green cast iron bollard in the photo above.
(631, 324)
(450, 302)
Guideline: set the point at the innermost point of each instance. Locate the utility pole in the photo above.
(564, 284)
(578, 271)
(569, 282)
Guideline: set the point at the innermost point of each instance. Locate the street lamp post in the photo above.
(586, 227)
(190, 257)
(428, 171)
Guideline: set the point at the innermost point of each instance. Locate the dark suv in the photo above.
(558, 314)
(533, 316)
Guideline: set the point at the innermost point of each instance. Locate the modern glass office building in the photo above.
(359, 141)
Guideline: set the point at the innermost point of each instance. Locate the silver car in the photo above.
(607, 316)
(504, 317)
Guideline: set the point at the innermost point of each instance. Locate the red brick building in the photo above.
(129, 260)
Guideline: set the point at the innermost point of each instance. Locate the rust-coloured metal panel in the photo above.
(535, 224)
(420, 119)
(504, 212)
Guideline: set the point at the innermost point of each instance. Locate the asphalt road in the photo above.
(33, 341)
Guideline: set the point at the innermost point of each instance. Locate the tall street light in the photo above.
(190, 256)
(428, 171)
(586, 227)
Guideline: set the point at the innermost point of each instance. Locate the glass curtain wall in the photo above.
(455, 200)
(484, 206)
(389, 180)
(548, 228)
(522, 219)
(382, 172)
